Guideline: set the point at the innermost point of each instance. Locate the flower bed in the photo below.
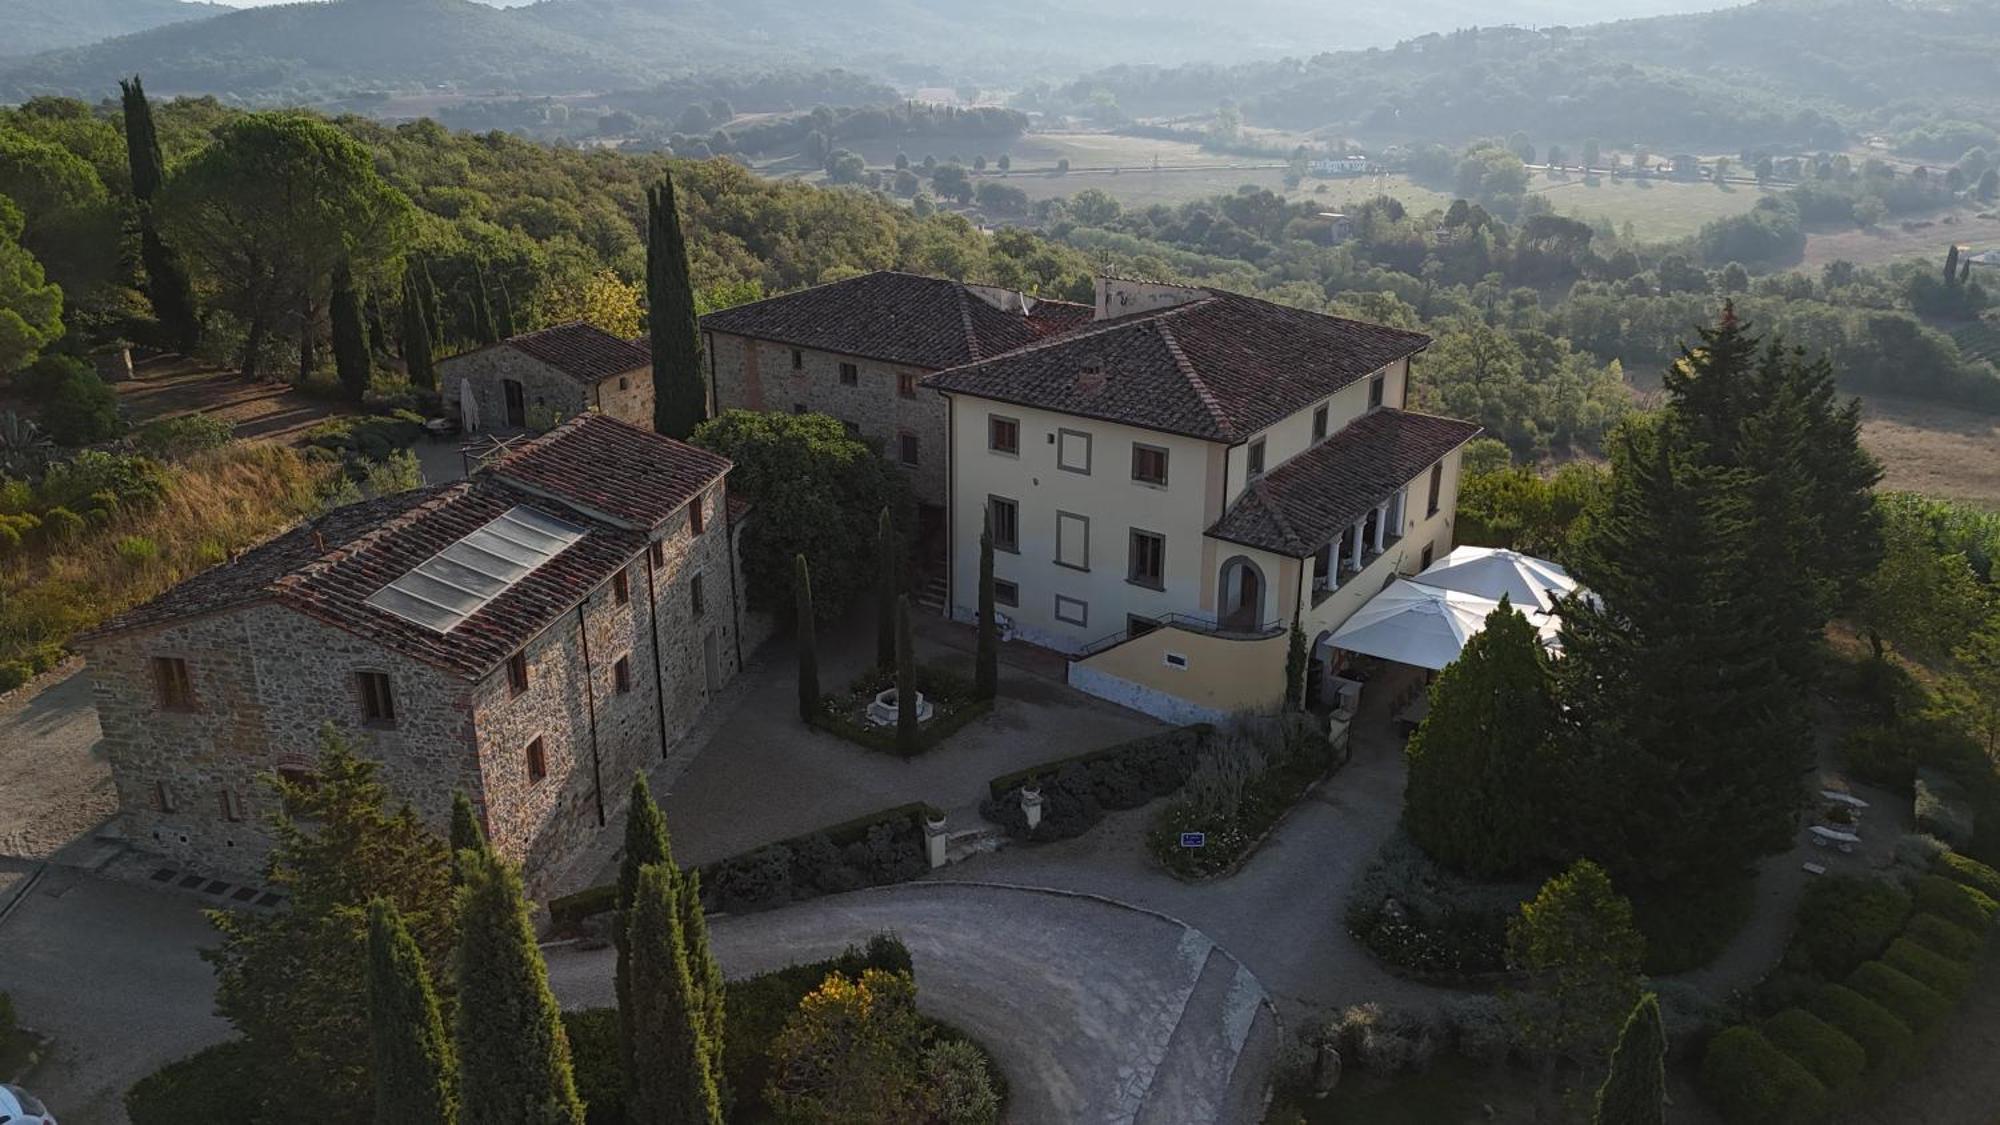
(1242, 784)
(951, 698)
(1428, 922)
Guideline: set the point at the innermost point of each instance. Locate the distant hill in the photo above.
(31, 26)
(305, 52)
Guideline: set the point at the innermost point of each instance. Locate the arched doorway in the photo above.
(1240, 595)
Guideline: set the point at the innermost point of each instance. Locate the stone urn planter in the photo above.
(884, 710)
(1031, 805)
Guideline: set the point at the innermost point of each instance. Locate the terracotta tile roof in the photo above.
(613, 468)
(582, 351)
(898, 318)
(328, 568)
(1220, 367)
(1303, 504)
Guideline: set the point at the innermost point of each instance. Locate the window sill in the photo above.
(1071, 566)
(1158, 485)
(1008, 549)
(1157, 587)
(1010, 454)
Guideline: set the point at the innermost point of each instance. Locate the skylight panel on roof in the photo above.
(457, 582)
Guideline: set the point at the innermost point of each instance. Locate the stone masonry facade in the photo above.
(193, 784)
(549, 395)
(751, 374)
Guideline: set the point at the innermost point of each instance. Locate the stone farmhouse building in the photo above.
(859, 350)
(530, 636)
(537, 379)
(1173, 484)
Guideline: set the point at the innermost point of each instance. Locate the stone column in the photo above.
(1031, 805)
(934, 840)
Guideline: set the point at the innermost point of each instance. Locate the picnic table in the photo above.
(1834, 838)
(1840, 798)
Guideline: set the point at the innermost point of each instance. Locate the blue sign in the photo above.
(1194, 839)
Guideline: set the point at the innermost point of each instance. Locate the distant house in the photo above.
(1340, 227)
(1987, 258)
(529, 637)
(537, 379)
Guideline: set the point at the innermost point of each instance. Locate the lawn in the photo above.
(1657, 209)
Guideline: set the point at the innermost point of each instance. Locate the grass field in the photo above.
(1925, 237)
(1929, 448)
(1981, 338)
(1657, 209)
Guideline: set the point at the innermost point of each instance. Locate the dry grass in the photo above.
(1933, 449)
(216, 503)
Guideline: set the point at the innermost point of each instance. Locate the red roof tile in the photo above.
(582, 351)
(613, 468)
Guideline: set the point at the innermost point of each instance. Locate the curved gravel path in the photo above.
(1096, 1011)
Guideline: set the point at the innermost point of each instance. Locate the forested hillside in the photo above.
(47, 25)
(307, 52)
(1801, 72)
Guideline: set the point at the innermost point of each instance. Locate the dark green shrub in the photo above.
(1879, 755)
(1830, 1054)
(1076, 791)
(756, 1010)
(61, 526)
(1888, 1041)
(1916, 1006)
(83, 481)
(79, 408)
(1948, 938)
(594, 1056)
(755, 880)
(1754, 1083)
(1955, 902)
(9, 1023)
(1971, 872)
(1844, 920)
(171, 439)
(217, 1084)
(1933, 970)
(566, 912)
(1687, 923)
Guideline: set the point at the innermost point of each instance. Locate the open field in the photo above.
(1916, 238)
(1656, 209)
(1929, 448)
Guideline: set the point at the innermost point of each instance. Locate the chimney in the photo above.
(1090, 378)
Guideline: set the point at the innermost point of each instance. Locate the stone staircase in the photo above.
(934, 595)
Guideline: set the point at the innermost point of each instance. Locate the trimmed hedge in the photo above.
(217, 1083)
(1844, 920)
(1942, 975)
(1919, 1008)
(1887, 1040)
(1828, 1053)
(1754, 1083)
(1955, 902)
(1971, 873)
(1944, 936)
(869, 850)
(1079, 789)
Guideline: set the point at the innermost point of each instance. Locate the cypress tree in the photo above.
(513, 1057)
(417, 334)
(416, 1081)
(680, 401)
(704, 971)
(986, 660)
(906, 683)
(646, 844)
(1475, 796)
(1635, 1089)
(484, 327)
(378, 334)
(808, 652)
(1951, 265)
(167, 287)
(466, 835)
(350, 341)
(1295, 667)
(427, 295)
(885, 591)
(671, 1083)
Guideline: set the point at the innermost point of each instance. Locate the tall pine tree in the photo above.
(1635, 1090)
(350, 337)
(802, 596)
(670, 1082)
(167, 287)
(416, 1077)
(1477, 796)
(986, 658)
(680, 400)
(513, 1057)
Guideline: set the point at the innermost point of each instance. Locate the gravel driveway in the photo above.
(1095, 1011)
(56, 787)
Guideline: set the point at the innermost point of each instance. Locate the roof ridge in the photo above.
(965, 321)
(1209, 402)
(445, 496)
(1277, 510)
(790, 293)
(1063, 339)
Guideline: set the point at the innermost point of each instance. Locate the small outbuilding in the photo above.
(536, 380)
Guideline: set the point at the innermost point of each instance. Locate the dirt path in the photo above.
(170, 386)
(58, 786)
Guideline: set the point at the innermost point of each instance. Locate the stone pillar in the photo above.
(1031, 805)
(934, 840)
(1381, 516)
(1355, 558)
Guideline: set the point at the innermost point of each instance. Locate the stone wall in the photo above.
(266, 679)
(549, 395)
(754, 374)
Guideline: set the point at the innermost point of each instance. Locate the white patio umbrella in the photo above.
(1411, 623)
(1528, 582)
(468, 407)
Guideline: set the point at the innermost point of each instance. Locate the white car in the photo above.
(19, 1107)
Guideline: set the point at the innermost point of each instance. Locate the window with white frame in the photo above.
(1073, 451)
